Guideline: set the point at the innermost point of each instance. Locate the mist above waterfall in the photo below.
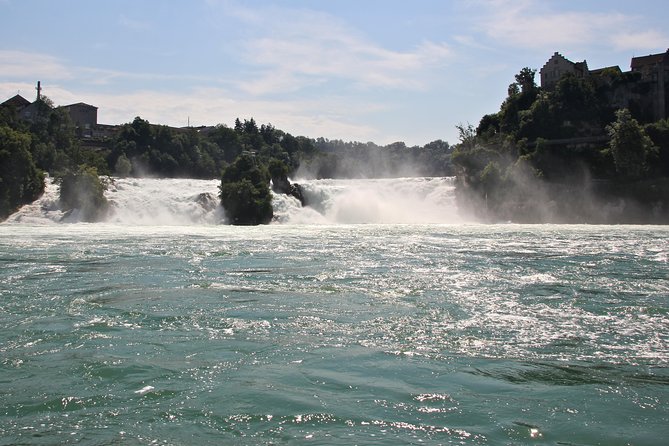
(398, 200)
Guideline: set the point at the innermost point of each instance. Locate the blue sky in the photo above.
(364, 70)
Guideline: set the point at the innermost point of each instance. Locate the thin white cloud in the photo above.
(299, 48)
(101, 77)
(286, 51)
(530, 24)
(22, 65)
(325, 116)
(472, 42)
(210, 106)
(630, 41)
(522, 24)
(9, 89)
(329, 117)
(133, 24)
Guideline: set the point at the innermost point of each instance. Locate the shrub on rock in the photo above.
(245, 193)
(83, 190)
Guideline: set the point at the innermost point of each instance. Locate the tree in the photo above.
(525, 80)
(82, 189)
(270, 134)
(576, 98)
(521, 96)
(20, 180)
(250, 126)
(228, 141)
(488, 126)
(659, 134)
(629, 145)
(290, 143)
(245, 193)
(490, 178)
(467, 136)
(123, 166)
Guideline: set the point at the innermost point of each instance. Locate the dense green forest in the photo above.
(565, 155)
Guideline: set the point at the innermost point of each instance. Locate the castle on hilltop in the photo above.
(643, 90)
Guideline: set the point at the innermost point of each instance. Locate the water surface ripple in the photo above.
(363, 334)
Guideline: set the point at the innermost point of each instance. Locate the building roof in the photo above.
(580, 67)
(17, 102)
(612, 68)
(651, 59)
(79, 104)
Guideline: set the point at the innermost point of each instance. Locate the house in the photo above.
(83, 116)
(652, 67)
(23, 108)
(654, 72)
(17, 102)
(557, 66)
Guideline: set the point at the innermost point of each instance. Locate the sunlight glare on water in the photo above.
(335, 334)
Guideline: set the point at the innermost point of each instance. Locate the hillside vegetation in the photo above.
(564, 155)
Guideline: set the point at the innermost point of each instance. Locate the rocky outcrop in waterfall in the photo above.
(280, 183)
(82, 193)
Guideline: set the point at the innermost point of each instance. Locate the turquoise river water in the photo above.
(334, 334)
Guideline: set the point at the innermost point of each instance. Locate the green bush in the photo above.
(20, 180)
(245, 193)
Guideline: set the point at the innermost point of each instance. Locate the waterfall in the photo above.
(164, 201)
(150, 201)
(397, 200)
(42, 211)
(137, 201)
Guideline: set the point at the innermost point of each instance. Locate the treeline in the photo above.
(565, 154)
(204, 153)
(339, 159)
(141, 148)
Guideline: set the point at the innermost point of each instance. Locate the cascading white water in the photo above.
(153, 201)
(137, 201)
(397, 200)
(150, 201)
(42, 211)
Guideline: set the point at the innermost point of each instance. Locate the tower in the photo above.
(39, 90)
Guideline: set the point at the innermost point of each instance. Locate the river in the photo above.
(379, 315)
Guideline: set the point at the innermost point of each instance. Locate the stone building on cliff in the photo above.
(558, 66)
(654, 73)
(643, 89)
